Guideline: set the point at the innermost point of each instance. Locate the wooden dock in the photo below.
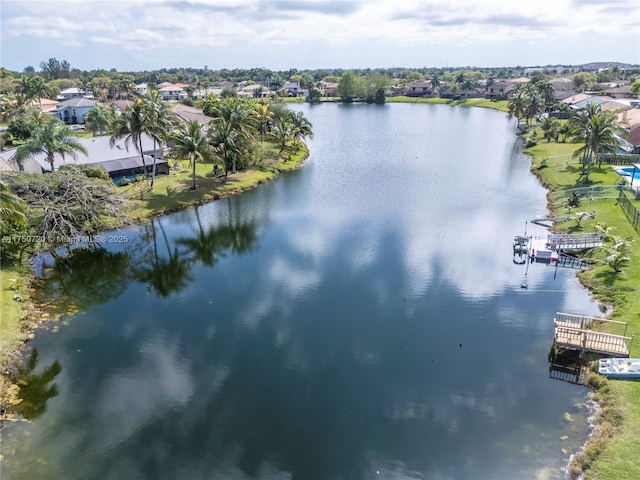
(576, 332)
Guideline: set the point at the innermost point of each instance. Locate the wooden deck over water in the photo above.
(576, 332)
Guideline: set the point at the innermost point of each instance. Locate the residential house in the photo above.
(119, 160)
(577, 98)
(562, 84)
(172, 92)
(255, 91)
(75, 110)
(187, 113)
(45, 104)
(72, 92)
(620, 91)
(418, 89)
(142, 89)
(292, 88)
(119, 106)
(203, 92)
(329, 89)
(500, 90)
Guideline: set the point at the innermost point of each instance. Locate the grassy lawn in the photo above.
(465, 102)
(616, 457)
(12, 314)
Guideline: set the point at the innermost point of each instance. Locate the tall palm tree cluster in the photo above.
(529, 100)
(596, 130)
(235, 138)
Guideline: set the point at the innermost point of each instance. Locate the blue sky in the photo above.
(284, 34)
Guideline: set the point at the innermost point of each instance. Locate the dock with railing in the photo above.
(575, 332)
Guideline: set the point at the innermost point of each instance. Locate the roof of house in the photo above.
(76, 102)
(45, 104)
(634, 135)
(620, 90)
(613, 105)
(98, 149)
(120, 104)
(578, 97)
(630, 117)
(71, 90)
(127, 163)
(583, 103)
(519, 80)
(171, 88)
(187, 113)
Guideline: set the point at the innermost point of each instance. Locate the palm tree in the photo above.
(282, 131)
(233, 116)
(617, 253)
(547, 91)
(51, 138)
(300, 126)
(227, 144)
(99, 119)
(12, 208)
(435, 81)
(132, 124)
(191, 142)
(33, 87)
(161, 121)
(517, 103)
(597, 132)
(550, 127)
(534, 103)
(262, 116)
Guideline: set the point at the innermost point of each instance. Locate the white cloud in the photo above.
(302, 33)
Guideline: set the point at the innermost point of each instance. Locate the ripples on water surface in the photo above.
(360, 318)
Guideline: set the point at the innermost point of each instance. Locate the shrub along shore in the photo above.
(611, 451)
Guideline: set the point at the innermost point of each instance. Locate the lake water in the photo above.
(360, 318)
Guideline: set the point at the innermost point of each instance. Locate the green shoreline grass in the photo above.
(612, 451)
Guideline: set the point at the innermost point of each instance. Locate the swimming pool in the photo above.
(629, 172)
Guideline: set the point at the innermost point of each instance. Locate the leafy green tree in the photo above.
(99, 119)
(190, 142)
(54, 69)
(52, 138)
(584, 81)
(348, 87)
(635, 87)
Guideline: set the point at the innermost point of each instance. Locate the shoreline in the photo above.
(27, 315)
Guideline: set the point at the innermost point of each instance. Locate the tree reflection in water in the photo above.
(85, 277)
(34, 388)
